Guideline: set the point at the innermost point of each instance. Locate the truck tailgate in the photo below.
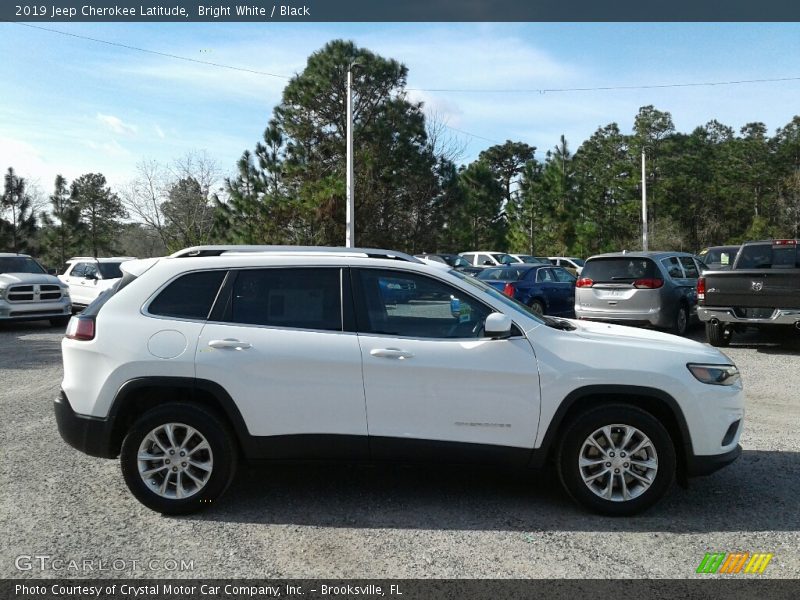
(753, 288)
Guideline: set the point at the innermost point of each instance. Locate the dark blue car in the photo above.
(546, 290)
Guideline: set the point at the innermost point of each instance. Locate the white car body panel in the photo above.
(311, 381)
(476, 391)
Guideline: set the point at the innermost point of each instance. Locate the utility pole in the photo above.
(644, 202)
(350, 228)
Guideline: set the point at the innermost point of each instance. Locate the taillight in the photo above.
(584, 282)
(648, 284)
(784, 243)
(80, 328)
(701, 288)
(509, 290)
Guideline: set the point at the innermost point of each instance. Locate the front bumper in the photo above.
(780, 316)
(91, 435)
(697, 466)
(34, 311)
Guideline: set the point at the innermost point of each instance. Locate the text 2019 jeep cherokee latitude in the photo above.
(274, 353)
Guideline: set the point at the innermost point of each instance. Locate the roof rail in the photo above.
(298, 250)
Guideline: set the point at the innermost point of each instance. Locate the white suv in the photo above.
(274, 353)
(88, 277)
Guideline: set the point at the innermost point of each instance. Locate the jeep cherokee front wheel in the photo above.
(178, 458)
(616, 460)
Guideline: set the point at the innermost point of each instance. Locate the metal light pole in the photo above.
(350, 229)
(644, 203)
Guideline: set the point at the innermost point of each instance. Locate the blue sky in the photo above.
(73, 106)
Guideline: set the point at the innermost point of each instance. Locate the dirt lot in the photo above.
(375, 522)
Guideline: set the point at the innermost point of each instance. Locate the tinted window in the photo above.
(689, 267)
(110, 270)
(78, 270)
(300, 298)
(189, 297)
(765, 256)
(544, 275)
(563, 276)
(619, 269)
(90, 270)
(19, 264)
(412, 305)
(578, 261)
(505, 259)
(672, 267)
(503, 274)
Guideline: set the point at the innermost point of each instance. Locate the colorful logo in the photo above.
(734, 562)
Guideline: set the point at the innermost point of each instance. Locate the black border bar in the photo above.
(38, 11)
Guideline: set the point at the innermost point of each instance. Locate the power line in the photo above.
(603, 88)
(157, 53)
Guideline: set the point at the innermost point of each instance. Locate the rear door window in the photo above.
(288, 297)
(620, 269)
(672, 267)
(689, 267)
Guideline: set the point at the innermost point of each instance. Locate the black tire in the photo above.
(59, 321)
(681, 323)
(717, 334)
(222, 447)
(578, 432)
(537, 307)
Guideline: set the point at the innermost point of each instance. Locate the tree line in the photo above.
(711, 186)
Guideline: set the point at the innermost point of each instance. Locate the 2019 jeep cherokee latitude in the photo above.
(274, 353)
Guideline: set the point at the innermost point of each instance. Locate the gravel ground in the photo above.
(397, 522)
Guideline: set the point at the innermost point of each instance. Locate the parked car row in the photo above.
(29, 292)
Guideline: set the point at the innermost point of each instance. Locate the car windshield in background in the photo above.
(532, 260)
(720, 256)
(579, 261)
(504, 259)
(620, 269)
(500, 297)
(563, 276)
(459, 262)
(110, 270)
(502, 274)
(20, 264)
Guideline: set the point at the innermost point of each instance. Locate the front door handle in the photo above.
(391, 353)
(230, 343)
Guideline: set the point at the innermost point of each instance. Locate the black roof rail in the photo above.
(219, 250)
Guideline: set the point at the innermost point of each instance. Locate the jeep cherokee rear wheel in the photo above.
(178, 458)
(616, 460)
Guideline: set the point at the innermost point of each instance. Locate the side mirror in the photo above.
(497, 326)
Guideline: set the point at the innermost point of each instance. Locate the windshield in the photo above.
(20, 264)
(517, 307)
(720, 256)
(110, 270)
(532, 260)
(460, 262)
(505, 259)
(578, 261)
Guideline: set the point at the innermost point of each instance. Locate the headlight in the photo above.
(715, 374)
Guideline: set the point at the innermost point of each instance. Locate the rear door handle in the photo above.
(230, 343)
(391, 353)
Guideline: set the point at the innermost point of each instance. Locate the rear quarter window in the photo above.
(190, 296)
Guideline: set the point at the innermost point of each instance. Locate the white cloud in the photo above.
(116, 125)
(160, 132)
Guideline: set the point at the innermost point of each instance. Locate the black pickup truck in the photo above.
(762, 288)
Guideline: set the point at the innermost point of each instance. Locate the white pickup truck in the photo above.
(28, 293)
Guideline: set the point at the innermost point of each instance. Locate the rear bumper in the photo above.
(656, 318)
(697, 466)
(90, 435)
(780, 316)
